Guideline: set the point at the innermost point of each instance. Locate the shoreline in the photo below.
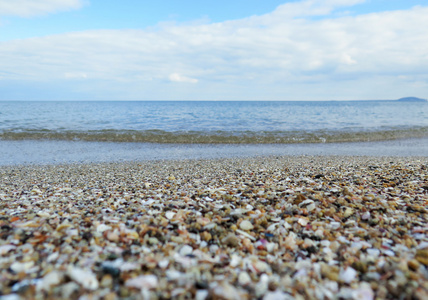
(44, 152)
(284, 227)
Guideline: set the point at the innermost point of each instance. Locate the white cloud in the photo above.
(282, 55)
(29, 8)
(313, 7)
(347, 59)
(180, 78)
(75, 75)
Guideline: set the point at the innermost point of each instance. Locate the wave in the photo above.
(215, 137)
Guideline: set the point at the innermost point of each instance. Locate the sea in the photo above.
(39, 132)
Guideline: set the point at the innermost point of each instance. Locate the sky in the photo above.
(213, 50)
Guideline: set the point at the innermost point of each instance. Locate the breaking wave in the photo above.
(216, 137)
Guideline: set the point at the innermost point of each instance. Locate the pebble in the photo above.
(231, 240)
(224, 290)
(276, 229)
(186, 250)
(68, 289)
(262, 286)
(244, 278)
(19, 267)
(143, 282)
(169, 215)
(85, 278)
(422, 256)
(50, 280)
(4, 249)
(246, 225)
(303, 221)
(348, 212)
(348, 275)
(106, 281)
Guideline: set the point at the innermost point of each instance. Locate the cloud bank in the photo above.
(301, 50)
(180, 78)
(29, 8)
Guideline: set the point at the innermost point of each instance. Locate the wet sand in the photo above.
(60, 152)
(284, 227)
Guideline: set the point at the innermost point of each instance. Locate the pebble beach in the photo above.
(293, 227)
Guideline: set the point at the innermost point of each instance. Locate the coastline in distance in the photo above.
(412, 99)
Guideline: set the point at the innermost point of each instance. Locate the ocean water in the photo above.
(214, 122)
(85, 132)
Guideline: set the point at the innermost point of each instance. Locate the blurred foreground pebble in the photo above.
(266, 228)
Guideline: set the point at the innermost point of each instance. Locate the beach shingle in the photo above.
(287, 227)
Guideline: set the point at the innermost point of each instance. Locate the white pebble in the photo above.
(84, 277)
(51, 279)
(44, 214)
(246, 225)
(277, 295)
(364, 292)
(52, 257)
(366, 215)
(68, 289)
(335, 225)
(245, 234)
(163, 264)
(303, 222)
(306, 202)
(11, 297)
(422, 245)
(185, 250)
(169, 215)
(6, 248)
(143, 282)
(201, 294)
(244, 278)
(373, 252)
(235, 260)
(213, 248)
(272, 227)
(103, 227)
(262, 286)
(18, 267)
(270, 247)
(348, 275)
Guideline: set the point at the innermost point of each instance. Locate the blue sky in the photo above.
(213, 50)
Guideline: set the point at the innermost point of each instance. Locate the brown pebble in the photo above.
(422, 256)
(330, 272)
(413, 264)
(107, 281)
(231, 240)
(206, 236)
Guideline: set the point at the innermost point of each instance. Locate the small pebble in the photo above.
(201, 229)
(246, 225)
(231, 240)
(348, 275)
(143, 282)
(186, 250)
(86, 278)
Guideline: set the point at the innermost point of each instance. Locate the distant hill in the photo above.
(412, 99)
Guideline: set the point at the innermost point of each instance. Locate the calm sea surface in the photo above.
(214, 122)
(86, 132)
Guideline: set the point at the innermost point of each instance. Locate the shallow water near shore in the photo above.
(214, 122)
(58, 152)
(85, 132)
